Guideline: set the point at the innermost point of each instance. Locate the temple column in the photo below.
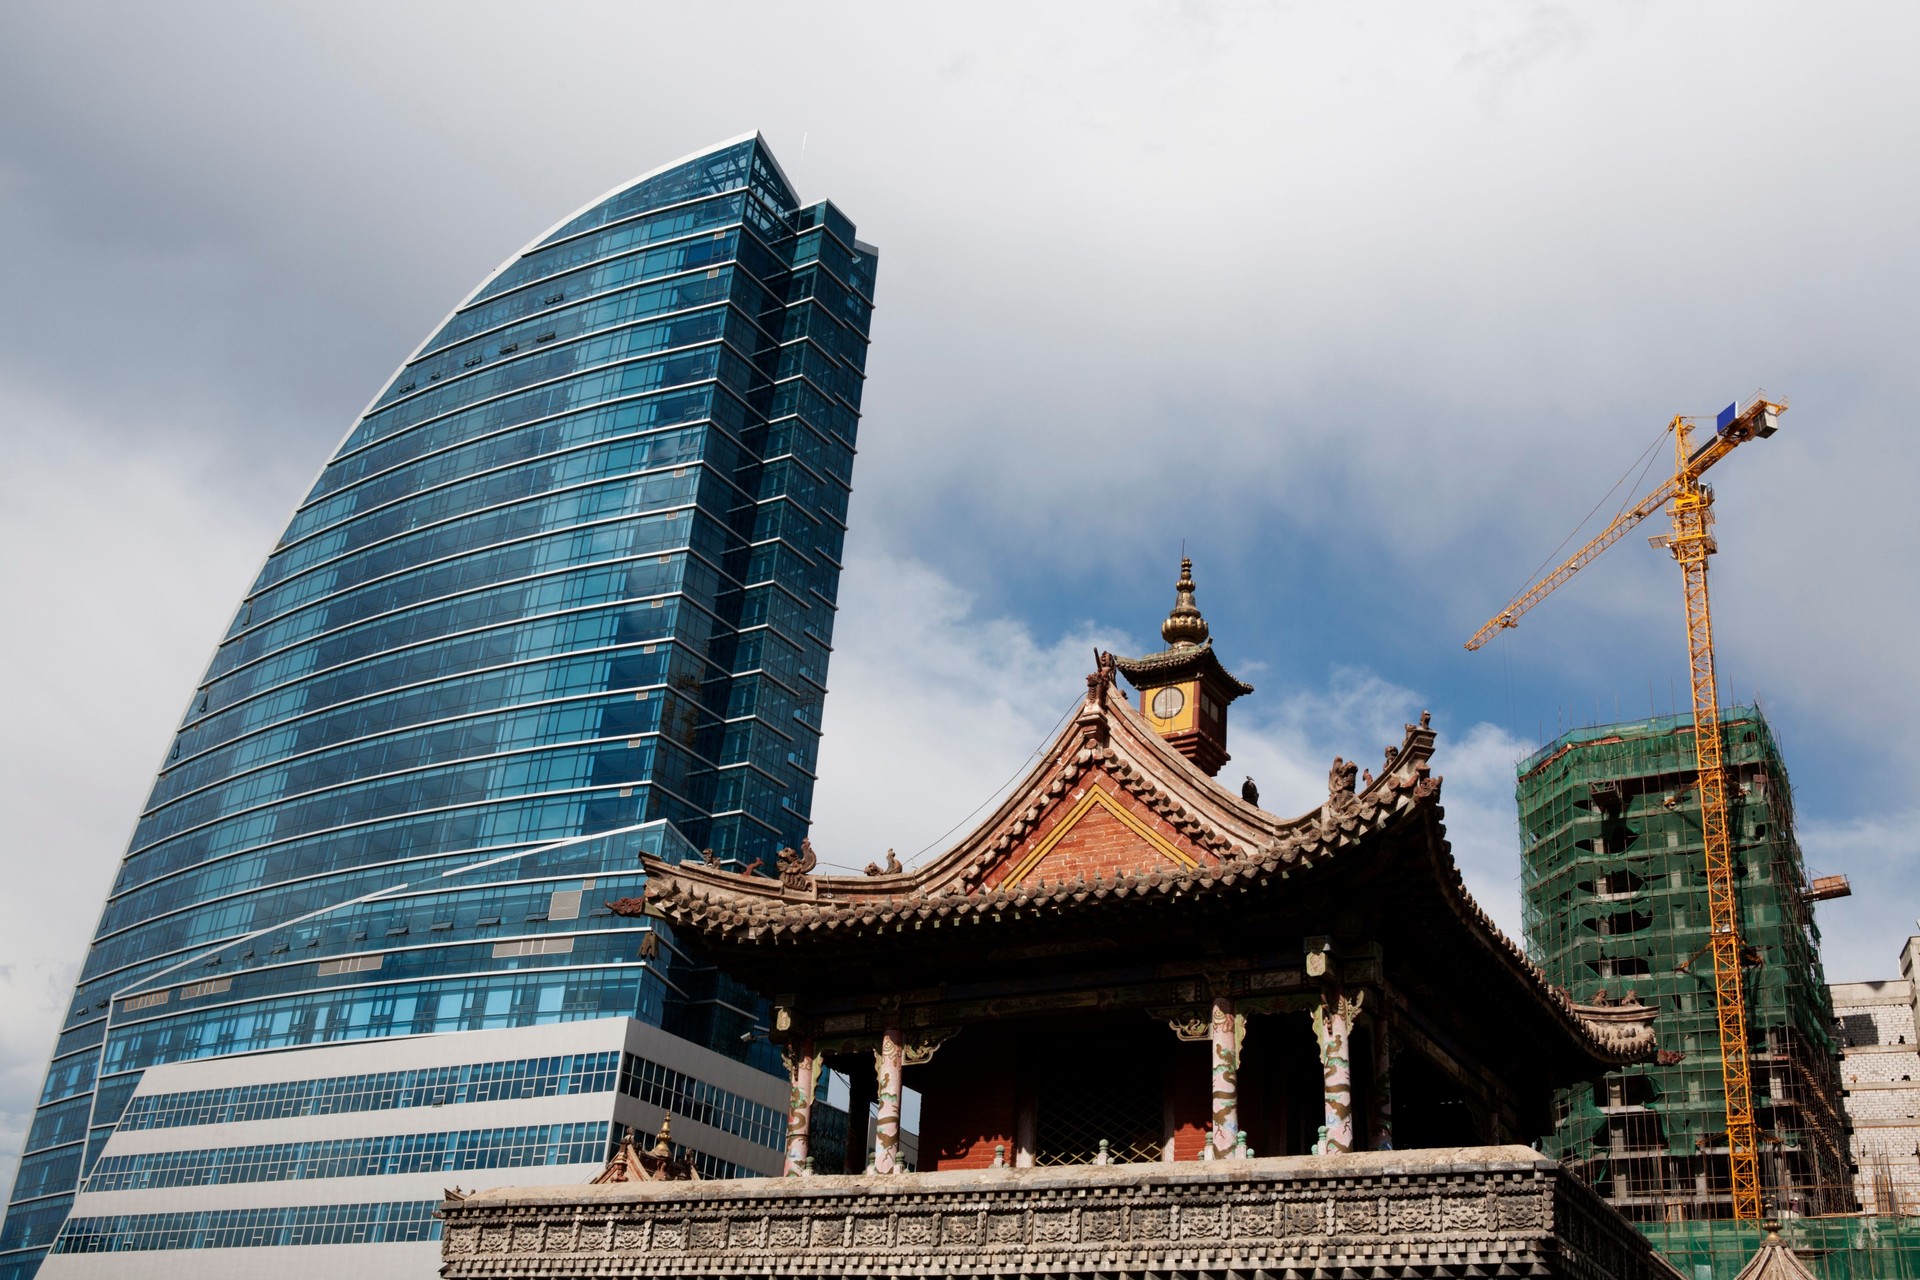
(1226, 1030)
(1026, 1129)
(1381, 1139)
(1333, 1030)
(888, 1062)
(803, 1077)
(860, 1093)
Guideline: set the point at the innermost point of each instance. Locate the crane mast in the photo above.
(1691, 543)
(1689, 503)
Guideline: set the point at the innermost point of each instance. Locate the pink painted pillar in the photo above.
(803, 1076)
(888, 1061)
(1224, 1036)
(1333, 1028)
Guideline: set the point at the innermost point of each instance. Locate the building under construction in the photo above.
(1880, 1067)
(1615, 898)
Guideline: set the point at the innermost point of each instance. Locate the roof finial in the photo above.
(1184, 626)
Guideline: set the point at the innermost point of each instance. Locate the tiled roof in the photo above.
(1250, 851)
(1172, 664)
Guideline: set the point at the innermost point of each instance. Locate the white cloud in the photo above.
(936, 708)
(33, 994)
(1861, 936)
(129, 561)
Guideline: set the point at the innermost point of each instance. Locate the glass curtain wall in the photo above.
(573, 571)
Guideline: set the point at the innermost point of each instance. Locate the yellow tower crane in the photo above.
(1690, 504)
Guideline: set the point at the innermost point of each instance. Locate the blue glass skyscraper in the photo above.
(571, 574)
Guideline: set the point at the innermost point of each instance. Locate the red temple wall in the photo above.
(1189, 1097)
(967, 1099)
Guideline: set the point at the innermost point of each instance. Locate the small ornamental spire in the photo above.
(1184, 691)
(1184, 626)
(662, 1145)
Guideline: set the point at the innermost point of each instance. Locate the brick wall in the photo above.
(1868, 1106)
(967, 1097)
(1874, 1013)
(1885, 1067)
(1099, 842)
(1880, 1069)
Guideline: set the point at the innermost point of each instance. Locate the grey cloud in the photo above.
(32, 994)
(1368, 304)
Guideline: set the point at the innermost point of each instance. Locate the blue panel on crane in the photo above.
(1725, 420)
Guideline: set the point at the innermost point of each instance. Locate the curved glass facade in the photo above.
(572, 572)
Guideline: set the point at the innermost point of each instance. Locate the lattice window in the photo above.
(1075, 1117)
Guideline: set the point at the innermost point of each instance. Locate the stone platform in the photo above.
(1451, 1212)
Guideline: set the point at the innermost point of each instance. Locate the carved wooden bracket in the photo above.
(1200, 1028)
(921, 1048)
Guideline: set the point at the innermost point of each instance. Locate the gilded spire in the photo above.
(1184, 626)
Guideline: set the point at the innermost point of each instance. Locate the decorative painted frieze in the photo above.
(1486, 1211)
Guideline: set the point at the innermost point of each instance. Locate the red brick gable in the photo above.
(1096, 826)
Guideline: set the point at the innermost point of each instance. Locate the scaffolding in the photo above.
(1847, 1247)
(1614, 894)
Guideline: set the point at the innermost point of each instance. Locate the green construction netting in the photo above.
(1614, 900)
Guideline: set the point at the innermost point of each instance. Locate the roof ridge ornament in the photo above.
(1092, 720)
(1409, 769)
(630, 1164)
(1100, 680)
(1184, 626)
(893, 867)
(796, 868)
(1341, 779)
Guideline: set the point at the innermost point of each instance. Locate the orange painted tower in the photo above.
(1184, 691)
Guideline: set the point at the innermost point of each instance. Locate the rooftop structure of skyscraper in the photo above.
(563, 595)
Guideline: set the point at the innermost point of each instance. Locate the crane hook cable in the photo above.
(1645, 463)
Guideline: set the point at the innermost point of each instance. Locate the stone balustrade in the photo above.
(1480, 1211)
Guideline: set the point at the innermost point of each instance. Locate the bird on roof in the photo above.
(1249, 792)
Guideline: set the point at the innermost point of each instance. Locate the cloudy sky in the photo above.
(1368, 305)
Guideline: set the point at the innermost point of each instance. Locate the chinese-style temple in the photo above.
(1129, 977)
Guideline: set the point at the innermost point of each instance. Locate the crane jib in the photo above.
(1692, 512)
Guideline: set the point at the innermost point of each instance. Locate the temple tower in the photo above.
(1184, 691)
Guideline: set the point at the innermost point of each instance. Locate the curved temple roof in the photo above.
(1215, 846)
(1177, 664)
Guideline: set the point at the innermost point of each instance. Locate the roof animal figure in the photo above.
(797, 868)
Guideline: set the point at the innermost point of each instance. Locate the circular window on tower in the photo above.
(1167, 703)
